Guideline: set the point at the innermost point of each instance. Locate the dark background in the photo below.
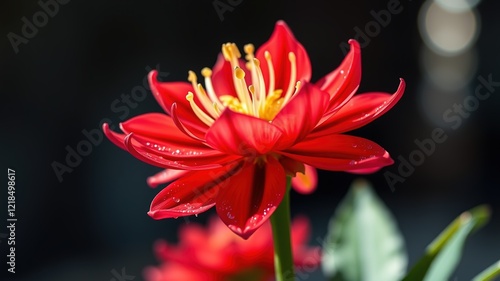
(67, 77)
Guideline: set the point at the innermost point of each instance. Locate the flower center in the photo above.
(258, 99)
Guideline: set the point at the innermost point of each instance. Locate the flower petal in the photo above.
(192, 194)
(281, 43)
(115, 138)
(160, 127)
(222, 77)
(241, 134)
(301, 114)
(364, 171)
(339, 153)
(252, 195)
(291, 166)
(307, 182)
(191, 132)
(168, 93)
(343, 81)
(159, 159)
(165, 176)
(361, 110)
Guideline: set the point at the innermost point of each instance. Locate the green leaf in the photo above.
(443, 254)
(363, 242)
(489, 274)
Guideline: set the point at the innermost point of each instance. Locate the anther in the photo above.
(199, 113)
(240, 74)
(206, 72)
(192, 77)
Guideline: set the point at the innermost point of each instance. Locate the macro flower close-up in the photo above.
(215, 254)
(232, 142)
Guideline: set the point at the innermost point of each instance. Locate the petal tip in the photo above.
(354, 43)
(154, 215)
(153, 75)
(243, 233)
(281, 23)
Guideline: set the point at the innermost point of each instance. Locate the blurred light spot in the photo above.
(448, 33)
(449, 73)
(457, 6)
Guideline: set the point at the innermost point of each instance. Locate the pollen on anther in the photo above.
(249, 48)
(240, 74)
(191, 76)
(267, 55)
(206, 72)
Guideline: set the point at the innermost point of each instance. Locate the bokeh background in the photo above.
(71, 75)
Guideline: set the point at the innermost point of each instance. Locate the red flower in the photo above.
(304, 182)
(216, 254)
(232, 143)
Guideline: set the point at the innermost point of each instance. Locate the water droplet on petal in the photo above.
(254, 220)
(353, 162)
(230, 216)
(176, 200)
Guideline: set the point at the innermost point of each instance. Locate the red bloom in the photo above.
(216, 254)
(231, 145)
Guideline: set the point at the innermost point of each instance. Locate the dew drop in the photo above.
(254, 219)
(176, 200)
(354, 145)
(353, 162)
(230, 216)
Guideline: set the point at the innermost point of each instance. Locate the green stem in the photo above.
(280, 222)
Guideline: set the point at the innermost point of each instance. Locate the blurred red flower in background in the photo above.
(233, 142)
(216, 254)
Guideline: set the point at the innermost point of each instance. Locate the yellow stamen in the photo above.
(249, 49)
(242, 90)
(199, 113)
(272, 105)
(270, 66)
(231, 53)
(201, 95)
(293, 76)
(232, 102)
(255, 102)
(252, 65)
(257, 99)
(262, 85)
(207, 74)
